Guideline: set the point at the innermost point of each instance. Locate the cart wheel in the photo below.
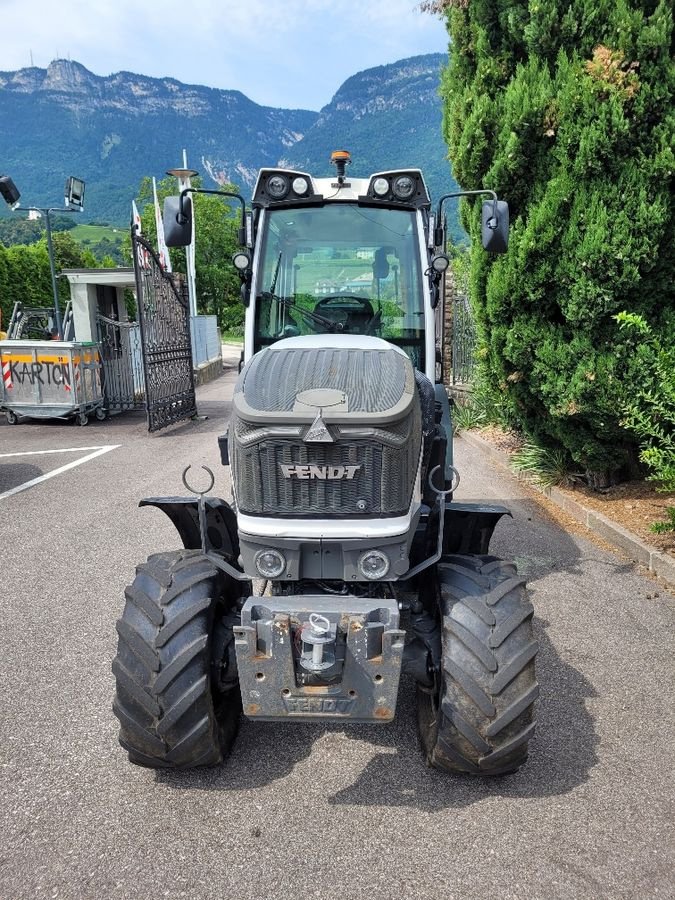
(100, 413)
(82, 419)
(12, 417)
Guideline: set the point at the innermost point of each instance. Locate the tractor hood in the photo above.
(349, 379)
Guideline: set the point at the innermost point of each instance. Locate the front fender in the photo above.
(468, 527)
(221, 522)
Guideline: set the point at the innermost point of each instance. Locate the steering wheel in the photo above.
(353, 312)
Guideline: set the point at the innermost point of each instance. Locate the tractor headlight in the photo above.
(277, 187)
(404, 187)
(300, 186)
(381, 187)
(270, 563)
(373, 564)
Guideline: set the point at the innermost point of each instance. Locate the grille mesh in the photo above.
(373, 380)
(384, 482)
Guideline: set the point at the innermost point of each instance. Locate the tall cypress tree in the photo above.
(566, 110)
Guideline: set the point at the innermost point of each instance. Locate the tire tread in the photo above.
(484, 718)
(164, 701)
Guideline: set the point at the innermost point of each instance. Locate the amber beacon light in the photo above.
(341, 159)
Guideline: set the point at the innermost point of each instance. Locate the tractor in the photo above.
(341, 561)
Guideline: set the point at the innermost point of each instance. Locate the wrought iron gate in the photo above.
(122, 361)
(165, 337)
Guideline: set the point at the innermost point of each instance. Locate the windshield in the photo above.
(341, 268)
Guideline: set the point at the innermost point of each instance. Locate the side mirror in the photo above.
(381, 264)
(177, 225)
(495, 226)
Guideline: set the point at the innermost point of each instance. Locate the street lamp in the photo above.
(74, 202)
(9, 191)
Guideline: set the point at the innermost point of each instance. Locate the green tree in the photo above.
(25, 274)
(566, 110)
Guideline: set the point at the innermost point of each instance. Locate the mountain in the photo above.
(112, 131)
(388, 117)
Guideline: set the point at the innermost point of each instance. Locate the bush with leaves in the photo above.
(566, 110)
(25, 274)
(649, 402)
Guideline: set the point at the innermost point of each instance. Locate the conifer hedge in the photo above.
(566, 110)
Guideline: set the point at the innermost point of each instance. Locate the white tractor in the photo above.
(340, 456)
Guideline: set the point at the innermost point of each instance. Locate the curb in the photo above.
(660, 564)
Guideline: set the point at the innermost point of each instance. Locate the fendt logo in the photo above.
(325, 473)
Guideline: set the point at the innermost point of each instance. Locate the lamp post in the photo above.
(74, 202)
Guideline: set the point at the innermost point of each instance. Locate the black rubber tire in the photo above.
(480, 717)
(172, 713)
(11, 417)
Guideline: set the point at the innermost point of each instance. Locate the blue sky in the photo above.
(279, 53)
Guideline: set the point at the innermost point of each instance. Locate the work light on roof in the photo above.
(381, 187)
(277, 187)
(300, 186)
(404, 187)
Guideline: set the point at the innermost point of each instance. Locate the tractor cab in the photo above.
(341, 256)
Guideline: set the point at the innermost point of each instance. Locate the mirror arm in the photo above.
(182, 218)
(465, 194)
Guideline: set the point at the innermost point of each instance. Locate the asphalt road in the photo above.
(306, 811)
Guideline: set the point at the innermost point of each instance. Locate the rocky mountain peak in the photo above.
(68, 76)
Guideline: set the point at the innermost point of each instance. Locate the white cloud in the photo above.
(293, 53)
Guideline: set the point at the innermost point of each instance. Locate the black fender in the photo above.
(221, 522)
(468, 527)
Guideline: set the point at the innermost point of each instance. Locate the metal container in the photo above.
(51, 380)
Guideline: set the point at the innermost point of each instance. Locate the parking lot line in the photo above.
(97, 451)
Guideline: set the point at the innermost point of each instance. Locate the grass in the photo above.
(93, 234)
(466, 416)
(544, 466)
(663, 527)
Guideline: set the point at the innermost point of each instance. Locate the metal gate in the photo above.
(463, 340)
(164, 318)
(122, 361)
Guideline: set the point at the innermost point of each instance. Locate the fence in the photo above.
(205, 339)
(463, 340)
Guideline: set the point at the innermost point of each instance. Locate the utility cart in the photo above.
(51, 380)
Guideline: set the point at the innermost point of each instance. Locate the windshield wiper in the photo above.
(329, 324)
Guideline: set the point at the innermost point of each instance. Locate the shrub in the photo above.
(566, 110)
(648, 404)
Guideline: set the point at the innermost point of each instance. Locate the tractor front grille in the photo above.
(382, 485)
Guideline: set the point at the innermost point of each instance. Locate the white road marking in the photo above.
(98, 451)
(65, 450)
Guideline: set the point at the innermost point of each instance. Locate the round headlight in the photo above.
(381, 187)
(373, 564)
(270, 563)
(241, 261)
(440, 263)
(277, 187)
(300, 186)
(404, 187)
